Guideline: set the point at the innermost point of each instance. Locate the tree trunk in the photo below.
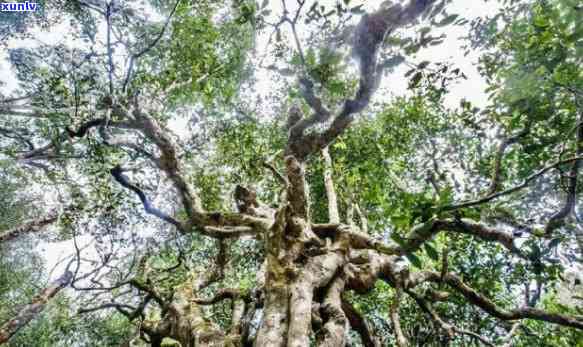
(299, 265)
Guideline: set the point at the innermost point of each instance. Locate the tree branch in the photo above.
(479, 300)
(360, 325)
(69, 134)
(146, 49)
(15, 135)
(395, 320)
(558, 218)
(335, 326)
(368, 37)
(333, 214)
(111, 67)
(276, 173)
(450, 329)
(118, 175)
(228, 232)
(29, 226)
(497, 171)
(220, 295)
(169, 163)
(36, 306)
(514, 189)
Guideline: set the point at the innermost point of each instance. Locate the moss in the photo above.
(168, 342)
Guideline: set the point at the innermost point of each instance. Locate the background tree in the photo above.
(201, 210)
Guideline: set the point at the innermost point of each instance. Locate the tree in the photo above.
(343, 220)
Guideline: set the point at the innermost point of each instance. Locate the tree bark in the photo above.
(360, 325)
(396, 320)
(333, 214)
(336, 328)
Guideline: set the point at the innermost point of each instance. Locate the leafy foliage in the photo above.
(403, 164)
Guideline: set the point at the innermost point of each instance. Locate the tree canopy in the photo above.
(248, 173)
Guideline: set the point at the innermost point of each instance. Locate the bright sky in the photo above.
(450, 50)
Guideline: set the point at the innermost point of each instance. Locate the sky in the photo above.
(394, 84)
(450, 50)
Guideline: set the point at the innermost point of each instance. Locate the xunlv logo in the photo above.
(18, 6)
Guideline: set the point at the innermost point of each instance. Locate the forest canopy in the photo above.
(292, 173)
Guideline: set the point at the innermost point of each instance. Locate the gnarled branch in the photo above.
(118, 175)
(368, 37)
(487, 305)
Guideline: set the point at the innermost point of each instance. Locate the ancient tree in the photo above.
(437, 216)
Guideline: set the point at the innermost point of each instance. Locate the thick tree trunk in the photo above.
(32, 310)
(298, 265)
(290, 301)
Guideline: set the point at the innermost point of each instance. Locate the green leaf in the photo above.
(536, 252)
(408, 73)
(541, 21)
(397, 238)
(431, 252)
(447, 20)
(415, 261)
(423, 64)
(336, 87)
(555, 242)
(415, 79)
(392, 62)
(340, 145)
(425, 30)
(400, 221)
(357, 10)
